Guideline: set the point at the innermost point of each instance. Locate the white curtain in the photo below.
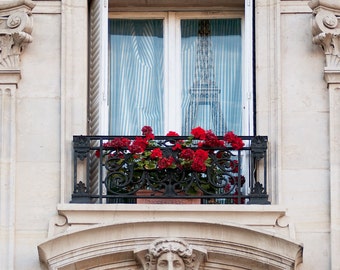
(137, 77)
(212, 98)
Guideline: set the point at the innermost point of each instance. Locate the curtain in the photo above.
(211, 75)
(136, 76)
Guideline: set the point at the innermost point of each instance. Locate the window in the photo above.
(172, 70)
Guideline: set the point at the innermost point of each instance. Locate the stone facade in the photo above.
(43, 103)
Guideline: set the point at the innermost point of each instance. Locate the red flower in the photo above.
(234, 166)
(234, 180)
(198, 166)
(211, 140)
(156, 153)
(187, 154)
(139, 145)
(235, 141)
(146, 130)
(177, 146)
(172, 134)
(199, 160)
(119, 143)
(164, 162)
(198, 133)
(202, 154)
(227, 188)
(236, 199)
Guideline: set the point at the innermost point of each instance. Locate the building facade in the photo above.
(53, 76)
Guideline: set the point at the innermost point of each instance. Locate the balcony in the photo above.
(107, 171)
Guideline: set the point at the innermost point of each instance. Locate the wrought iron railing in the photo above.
(105, 174)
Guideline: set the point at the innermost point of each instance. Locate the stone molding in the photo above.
(16, 26)
(214, 245)
(326, 34)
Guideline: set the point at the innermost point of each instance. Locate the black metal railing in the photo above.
(107, 171)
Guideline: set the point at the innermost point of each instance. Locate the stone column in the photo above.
(15, 30)
(326, 33)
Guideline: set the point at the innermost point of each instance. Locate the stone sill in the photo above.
(81, 216)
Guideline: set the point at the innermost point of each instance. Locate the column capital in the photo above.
(16, 26)
(326, 34)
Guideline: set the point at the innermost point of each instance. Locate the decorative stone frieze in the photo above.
(15, 31)
(326, 33)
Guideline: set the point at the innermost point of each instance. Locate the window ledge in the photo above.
(73, 217)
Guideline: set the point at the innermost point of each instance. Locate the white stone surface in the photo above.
(294, 108)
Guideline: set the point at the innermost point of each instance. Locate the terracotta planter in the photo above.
(145, 192)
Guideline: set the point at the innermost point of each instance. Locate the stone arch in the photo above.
(221, 246)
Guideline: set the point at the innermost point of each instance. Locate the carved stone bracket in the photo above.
(15, 31)
(326, 33)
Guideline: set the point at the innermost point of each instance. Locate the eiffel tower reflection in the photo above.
(204, 90)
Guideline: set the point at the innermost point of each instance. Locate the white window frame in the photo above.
(172, 54)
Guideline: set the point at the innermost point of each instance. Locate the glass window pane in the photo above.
(136, 75)
(211, 55)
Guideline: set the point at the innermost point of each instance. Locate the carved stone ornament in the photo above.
(326, 34)
(15, 31)
(171, 253)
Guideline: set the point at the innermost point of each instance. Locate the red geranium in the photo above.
(177, 146)
(201, 154)
(147, 132)
(236, 199)
(172, 134)
(198, 165)
(165, 163)
(234, 166)
(139, 145)
(235, 141)
(199, 160)
(187, 154)
(211, 140)
(156, 153)
(119, 143)
(198, 133)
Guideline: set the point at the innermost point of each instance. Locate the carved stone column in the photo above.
(326, 34)
(15, 30)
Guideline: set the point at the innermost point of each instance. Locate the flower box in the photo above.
(146, 193)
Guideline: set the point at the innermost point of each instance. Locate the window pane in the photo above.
(211, 54)
(136, 75)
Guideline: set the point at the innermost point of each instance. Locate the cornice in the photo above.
(326, 34)
(16, 26)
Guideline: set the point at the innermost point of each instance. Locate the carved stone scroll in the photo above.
(15, 31)
(326, 33)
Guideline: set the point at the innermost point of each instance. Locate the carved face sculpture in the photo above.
(170, 261)
(169, 254)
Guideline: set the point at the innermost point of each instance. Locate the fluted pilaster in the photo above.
(326, 33)
(15, 33)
